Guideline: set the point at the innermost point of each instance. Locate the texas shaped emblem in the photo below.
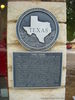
(40, 29)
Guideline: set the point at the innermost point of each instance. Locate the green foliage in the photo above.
(70, 20)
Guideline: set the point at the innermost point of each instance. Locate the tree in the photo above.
(70, 20)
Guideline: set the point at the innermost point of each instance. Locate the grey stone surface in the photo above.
(37, 69)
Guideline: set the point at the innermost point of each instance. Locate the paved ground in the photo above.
(70, 85)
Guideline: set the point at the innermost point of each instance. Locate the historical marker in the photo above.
(37, 29)
(37, 69)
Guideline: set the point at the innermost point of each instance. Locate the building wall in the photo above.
(15, 9)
